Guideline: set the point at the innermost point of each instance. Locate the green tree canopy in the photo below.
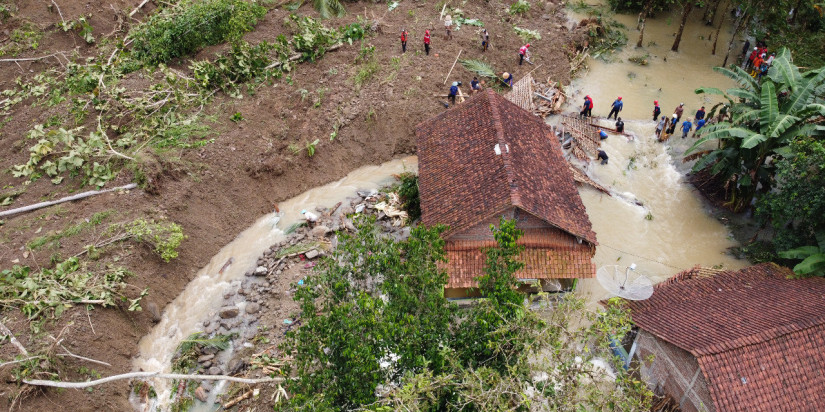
(378, 334)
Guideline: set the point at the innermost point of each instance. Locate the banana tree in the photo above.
(764, 118)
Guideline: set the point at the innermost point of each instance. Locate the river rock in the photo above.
(360, 208)
(204, 358)
(200, 394)
(312, 254)
(236, 365)
(152, 308)
(252, 308)
(214, 370)
(211, 350)
(228, 312)
(207, 364)
(319, 231)
(207, 385)
(261, 271)
(348, 224)
(211, 329)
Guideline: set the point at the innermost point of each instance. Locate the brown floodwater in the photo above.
(672, 230)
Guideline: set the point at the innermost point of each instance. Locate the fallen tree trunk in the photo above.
(146, 375)
(78, 196)
(297, 56)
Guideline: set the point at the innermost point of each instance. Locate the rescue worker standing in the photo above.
(453, 92)
(616, 108)
(656, 109)
(485, 40)
(403, 40)
(587, 107)
(427, 42)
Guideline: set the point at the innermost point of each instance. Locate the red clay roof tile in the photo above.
(759, 336)
(462, 181)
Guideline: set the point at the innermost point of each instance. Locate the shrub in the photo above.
(408, 192)
(191, 25)
(164, 237)
(519, 7)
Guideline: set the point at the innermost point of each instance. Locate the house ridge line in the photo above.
(515, 199)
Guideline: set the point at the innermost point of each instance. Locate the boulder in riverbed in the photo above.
(228, 312)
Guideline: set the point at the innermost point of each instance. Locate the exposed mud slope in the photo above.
(217, 190)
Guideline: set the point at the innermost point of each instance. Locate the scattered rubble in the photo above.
(258, 310)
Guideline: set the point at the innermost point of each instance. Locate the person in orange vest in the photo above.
(757, 62)
(427, 42)
(403, 40)
(523, 53)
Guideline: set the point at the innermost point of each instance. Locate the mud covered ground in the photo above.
(215, 191)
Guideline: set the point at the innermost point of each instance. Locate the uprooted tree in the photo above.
(378, 334)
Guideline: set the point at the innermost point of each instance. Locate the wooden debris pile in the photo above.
(585, 137)
(550, 98)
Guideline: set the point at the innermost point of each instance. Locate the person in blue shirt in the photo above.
(507, 78)
(475, 85)
(616, 108)
(699, 125)
(687, 125)
(602, 135)
(700, 114)
(453, 92)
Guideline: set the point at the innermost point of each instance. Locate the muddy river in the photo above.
(671, 230)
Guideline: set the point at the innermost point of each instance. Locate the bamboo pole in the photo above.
(451, 68)
(78, 196)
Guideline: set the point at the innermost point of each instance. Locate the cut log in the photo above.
(65, 199)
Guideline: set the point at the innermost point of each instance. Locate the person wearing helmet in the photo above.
(673, 121)
(427, 42)
(587, 107)
(656, 109)
(616, 108)
(679, 110)
(507, 79)
(453, 92)
(523, 53)
(448, 25)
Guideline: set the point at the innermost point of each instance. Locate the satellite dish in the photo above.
(625, 282)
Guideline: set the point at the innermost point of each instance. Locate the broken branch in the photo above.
(145, 375)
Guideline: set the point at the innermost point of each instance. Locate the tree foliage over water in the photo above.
(765, 117)
(378, 334)
(770, 148)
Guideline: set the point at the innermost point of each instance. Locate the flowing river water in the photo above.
(670, 232)
(203, 295)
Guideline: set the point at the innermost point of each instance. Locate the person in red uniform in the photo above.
(403, 40)
(523, 53)
(427, 42)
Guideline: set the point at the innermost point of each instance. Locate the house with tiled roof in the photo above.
(747, 340)
(489, 158)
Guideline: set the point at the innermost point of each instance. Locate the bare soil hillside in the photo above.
(217, 190)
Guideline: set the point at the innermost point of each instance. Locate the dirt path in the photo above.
(217, 190)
